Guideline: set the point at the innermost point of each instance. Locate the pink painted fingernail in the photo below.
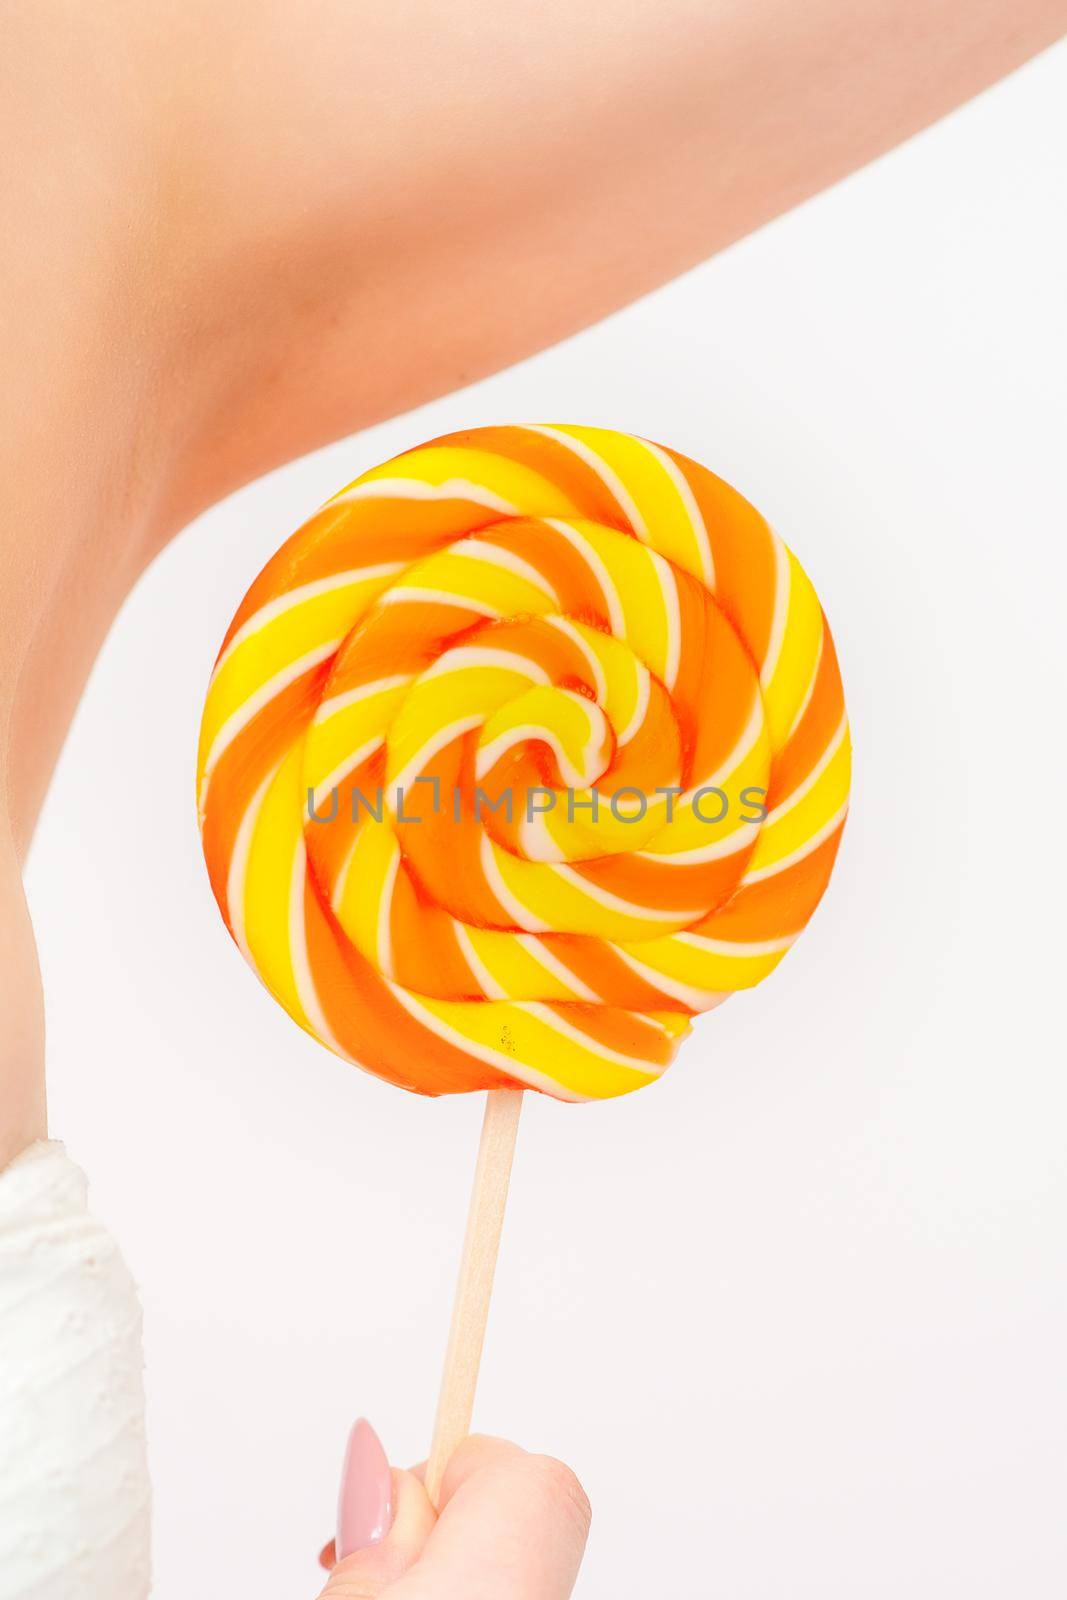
(365, 1505)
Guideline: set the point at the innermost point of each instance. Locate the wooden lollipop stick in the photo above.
(471, 1306)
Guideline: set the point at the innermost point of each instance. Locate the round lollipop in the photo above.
(528, 747)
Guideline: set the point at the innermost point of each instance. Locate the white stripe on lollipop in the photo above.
(417, 489)
(235, 878)
(607, 475)
(301, 595)
(599, 569)
(509, 1065)
(475, 549)
(307, 993)
(686, 994)
(337, 703)
(783, 580)
(684, 490)
(837, 739)
(255, 704)
(808, 848)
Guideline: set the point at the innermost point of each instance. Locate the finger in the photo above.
(512, 1526)
(367, 1572)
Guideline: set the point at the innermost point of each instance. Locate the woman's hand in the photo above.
(511, 1526)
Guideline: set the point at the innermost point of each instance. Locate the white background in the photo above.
(797, 1315)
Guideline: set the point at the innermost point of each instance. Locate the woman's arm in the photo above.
(243, 230)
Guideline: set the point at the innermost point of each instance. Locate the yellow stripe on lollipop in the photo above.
(488, 588)
(651, 491)
(316, 624)
(803, 815)
(364, 897)
(509, 1035)
(574, 728)
(795, 646)
(624, 678)
(513, 967)
(722, 808)
(648, 597)
(345, 732)
(450, 472)
(446, 704)
(273, 888)
(708, 965)
(544, 896)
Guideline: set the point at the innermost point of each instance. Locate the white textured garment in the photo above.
(74, 1494)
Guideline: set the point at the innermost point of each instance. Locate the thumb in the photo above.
(384, 1519)
(512, 1527)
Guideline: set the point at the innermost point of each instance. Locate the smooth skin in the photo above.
(236, 231)
(512, 1526)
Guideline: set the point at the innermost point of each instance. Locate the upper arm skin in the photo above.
(22, 1038)
(475, 182)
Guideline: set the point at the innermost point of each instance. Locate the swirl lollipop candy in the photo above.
(528, 747)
